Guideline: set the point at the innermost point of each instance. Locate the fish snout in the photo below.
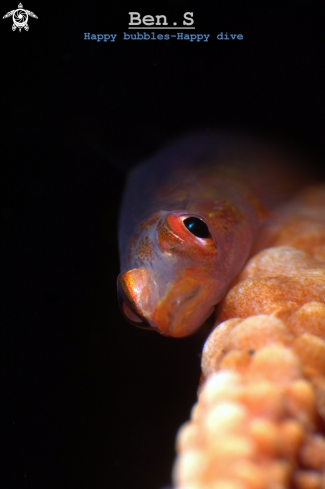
(132, 291)
(179, 311)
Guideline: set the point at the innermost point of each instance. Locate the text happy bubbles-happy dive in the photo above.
(153, 36)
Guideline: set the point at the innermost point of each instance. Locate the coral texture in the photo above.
(259, 422)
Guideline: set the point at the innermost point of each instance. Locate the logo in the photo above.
(20, 18)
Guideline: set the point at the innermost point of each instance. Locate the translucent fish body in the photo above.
(172, 278)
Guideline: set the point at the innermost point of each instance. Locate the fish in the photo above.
(189, 218)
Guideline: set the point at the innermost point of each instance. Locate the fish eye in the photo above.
(197, 227)
(129, 314)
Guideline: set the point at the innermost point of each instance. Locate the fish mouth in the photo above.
(132, 292)
(186, 304)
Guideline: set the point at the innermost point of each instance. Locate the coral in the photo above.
(259, 422)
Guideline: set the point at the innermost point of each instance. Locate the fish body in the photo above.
(188, 221)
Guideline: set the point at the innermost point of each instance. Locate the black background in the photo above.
(90, 400)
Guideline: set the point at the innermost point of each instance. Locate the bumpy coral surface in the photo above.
(259, 422)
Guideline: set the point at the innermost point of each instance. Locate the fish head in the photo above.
(174, 276)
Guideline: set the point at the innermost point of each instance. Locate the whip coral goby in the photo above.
(188, 222)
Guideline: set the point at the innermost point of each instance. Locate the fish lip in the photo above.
(128, 297)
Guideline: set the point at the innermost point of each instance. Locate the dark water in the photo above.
(89, 400)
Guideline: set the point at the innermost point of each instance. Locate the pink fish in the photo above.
(188, 221)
